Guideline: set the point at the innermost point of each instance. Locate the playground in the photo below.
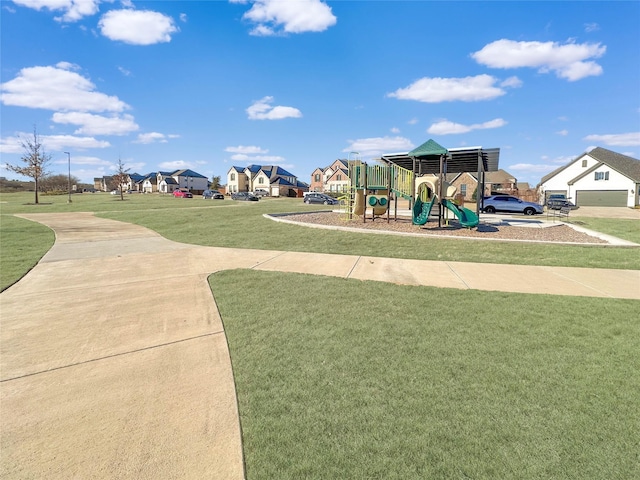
(375, 190)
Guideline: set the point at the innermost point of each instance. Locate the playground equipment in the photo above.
(372, 187)
(466, 217)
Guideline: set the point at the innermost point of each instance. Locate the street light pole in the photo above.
(69, 177)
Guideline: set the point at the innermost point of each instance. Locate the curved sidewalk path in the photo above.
(114, 362)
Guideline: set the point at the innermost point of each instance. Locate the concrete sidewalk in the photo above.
(114, 362)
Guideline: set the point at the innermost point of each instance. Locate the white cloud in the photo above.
(445, 127)
(413, 121)
(563, 133)
(184, 18)
(248, 149)
(570, 60)
(262, 110)
(91, 124)
(275, 17)
(87, 160)
(511, 82)
(137, 27)
(532, 168)
(436, 90)
(154, 137)
(175, 165)
(73, 10)
(51, 143)
(66, 142)
(262, 159)
(124, 71)
(631, 139)
(376, 146)
(11, 145)
(591, 27)
(57, 88)
(395, 130)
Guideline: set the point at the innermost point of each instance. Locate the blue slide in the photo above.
(422, 210)
(466, 217)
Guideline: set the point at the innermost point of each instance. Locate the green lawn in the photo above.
(371, 380)
(22, 243)
(227, 223)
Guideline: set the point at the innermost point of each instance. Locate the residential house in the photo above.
(104, 184)
(150, 183)
(317, 180)
(499, 181)
(600, 177)
(334, 178)
(237, 181)
(272, 178)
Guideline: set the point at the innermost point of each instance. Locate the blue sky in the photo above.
(298, 83)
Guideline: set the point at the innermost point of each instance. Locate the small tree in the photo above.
(35, 159)
(215, 182)
(121, 177)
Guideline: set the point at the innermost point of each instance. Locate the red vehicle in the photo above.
(182, 192)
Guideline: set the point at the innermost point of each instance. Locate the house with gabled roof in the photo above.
(150, 183)
(317, 180)
(466, 183)
(333, 178)
(599, 177)
(274, 179)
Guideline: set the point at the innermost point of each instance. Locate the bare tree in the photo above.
(121, 177)
(215, 182)
(35, 161)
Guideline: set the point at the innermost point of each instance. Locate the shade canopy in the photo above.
(458, 160)
(430, 148)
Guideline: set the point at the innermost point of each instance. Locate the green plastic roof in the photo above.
(429, 147)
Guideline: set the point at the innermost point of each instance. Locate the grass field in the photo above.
(241, 224)
(372, 380)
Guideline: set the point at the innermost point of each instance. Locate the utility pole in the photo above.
(69, 177)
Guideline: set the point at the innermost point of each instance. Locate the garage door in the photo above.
(554, 192)
(601, 198)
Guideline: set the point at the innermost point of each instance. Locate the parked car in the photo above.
(260, 192)
(557, 204)
(555, 197)
(182, 193)
(212, 194)
(511, 204)
(246, 196)
(322, 198)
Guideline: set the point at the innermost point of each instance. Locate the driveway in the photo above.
(607, 212)
(113, 358)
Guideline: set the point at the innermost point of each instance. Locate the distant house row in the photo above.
(156, 182)
(276, 181)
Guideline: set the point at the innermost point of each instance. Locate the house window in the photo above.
(601, 176)
(261, 180)
(584, 163)
(233, 177)
(338, 177)
(463, 189)
(316, 177)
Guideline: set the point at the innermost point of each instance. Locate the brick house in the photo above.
(500, 181)
(274, 179)
(334, 178)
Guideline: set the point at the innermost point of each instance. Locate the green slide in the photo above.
(467, 218)
(422, 210)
